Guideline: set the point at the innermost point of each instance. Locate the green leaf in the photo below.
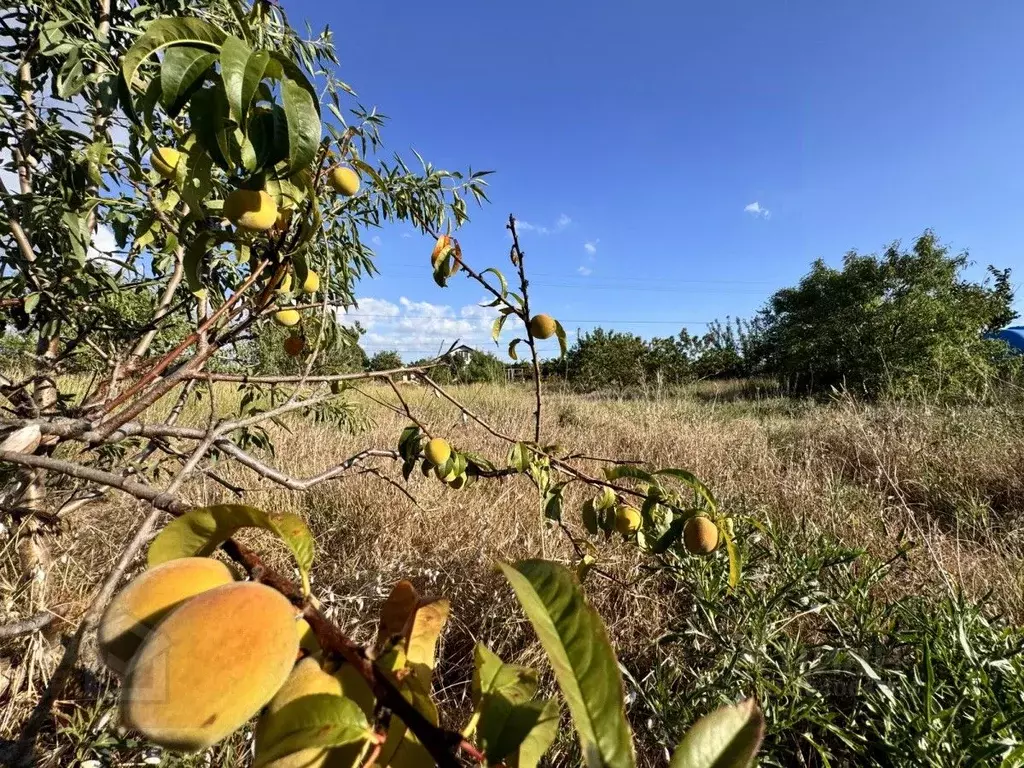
(563, 345)
(630, 471)
(605, 499)
(496, 327)
(691, 480)
(194, 265)
(582, 658)
(196, 180)
(492, 675)
(200, 531)
(735, 560)
(70, 78)
(208, 113)
(169, 31)
(321, 720)
(76, 234)
(727, 738)
(30, 303)
(241, 69)
(181, 73)
(512, 348)
(508, 729)
(501, 279)
(553, 502)
(589, 514)
(300, 108)
(409, 442)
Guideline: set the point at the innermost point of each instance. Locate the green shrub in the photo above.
(844, 675)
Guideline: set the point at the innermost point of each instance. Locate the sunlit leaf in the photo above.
(169, 31)
(499, 322)
(691, 480)
(501, 279)
(241, 69)
(200, 531)
(320, 720)
(727, 738)
(735, 560)
(581, 655)
(181, 73)
(563, 345)
(396, 613)
(300, 109)
(516, 733)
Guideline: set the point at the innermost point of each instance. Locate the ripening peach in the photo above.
(438, 451)
(287, 317)
(627, 519)
(164, 161)
(210, 666)
(700, 535)
(250, 209)
(312, 282)
(137, 609)
(343, 180)
(542, 326)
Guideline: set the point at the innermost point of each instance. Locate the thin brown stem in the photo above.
(517, 259)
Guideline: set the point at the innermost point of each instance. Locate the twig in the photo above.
(242, 378)
(517, 259)
(26, 626)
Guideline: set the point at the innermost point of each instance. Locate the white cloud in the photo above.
(419, 328)
(406, 235)
(591, 246)
(585, 271)
(103, 242)
(375, 240)
(756, 210)
(560, 224)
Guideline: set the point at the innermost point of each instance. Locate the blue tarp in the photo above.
(1013, 336)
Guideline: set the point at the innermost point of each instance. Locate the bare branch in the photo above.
(154, 496)
(242, 378)
(26, 626)
(294, 483)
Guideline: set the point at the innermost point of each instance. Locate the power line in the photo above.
(361, 316)
(626, 278)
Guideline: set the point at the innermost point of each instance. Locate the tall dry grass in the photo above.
(949, 479)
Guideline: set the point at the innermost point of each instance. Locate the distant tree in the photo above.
(385, 360)
(601, 358)
(338, 350)
(901, 322)
(479, 368)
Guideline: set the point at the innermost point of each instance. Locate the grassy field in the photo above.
(876, 622)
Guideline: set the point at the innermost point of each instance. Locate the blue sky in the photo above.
(677, 162)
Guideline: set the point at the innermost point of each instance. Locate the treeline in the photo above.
(904, 322)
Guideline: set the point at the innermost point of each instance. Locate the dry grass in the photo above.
(951, 480)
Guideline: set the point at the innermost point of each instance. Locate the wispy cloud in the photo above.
(406, 235)
(591, 246)
(375, 240)
(561, 224)
(757, 210)
(585, 271)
